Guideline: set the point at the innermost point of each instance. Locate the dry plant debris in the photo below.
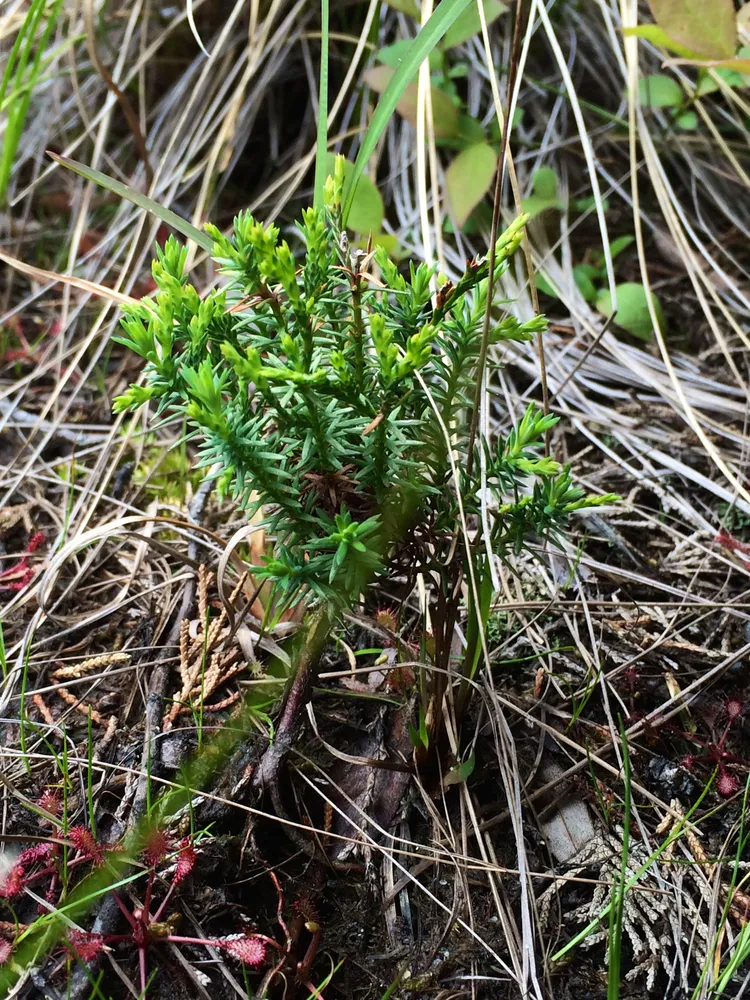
(204, 665)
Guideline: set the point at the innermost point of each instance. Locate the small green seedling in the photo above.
(633, 312)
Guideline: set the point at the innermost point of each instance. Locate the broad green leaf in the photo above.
(444, 111)
(590, 271)
(659, 91)
(632, 309)
(470, 130)
(392, 55)
(366, 212)
(544, 286)
(469, 24)
(584, 283)
(708, 27)
(468, 179)
(141, 200)
(621, 243)
(410, 7)
(653, 33)
(423, 44)
(589, 204)
(544, 193)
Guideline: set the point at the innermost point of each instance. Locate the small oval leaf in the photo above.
(659, 91)
(585, 285)
(687, 121)
(544, 187)
(468, 24)
(444, 111)
(366, 212)
(632, 309)
(460, 773)
(468, 179)
(545, 183)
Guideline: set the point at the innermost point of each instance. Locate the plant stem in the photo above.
(267, 772)
(320, 438)
(357, 331)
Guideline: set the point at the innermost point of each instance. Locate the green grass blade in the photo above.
(321, 150)
(418, 51)
(742, 945)
(141, 200)
(672, 837)
(28, 27)
(18, 63)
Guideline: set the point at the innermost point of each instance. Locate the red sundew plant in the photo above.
(387, 618)
(714, 752)
(146, 925)
(148, 922)
(733, 544)
(147, 928)
(20, 574)
(25, 870)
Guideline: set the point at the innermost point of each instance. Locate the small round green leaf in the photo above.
(632, 309)
(659, 91)
(545, 183)
(687, 121)
(468, 179)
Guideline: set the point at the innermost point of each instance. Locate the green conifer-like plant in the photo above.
(333, 391)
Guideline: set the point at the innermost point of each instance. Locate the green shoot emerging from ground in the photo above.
(335, 394)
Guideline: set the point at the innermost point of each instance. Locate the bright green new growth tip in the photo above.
(307, 387)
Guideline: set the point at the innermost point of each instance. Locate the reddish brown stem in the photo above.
(267, 772)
